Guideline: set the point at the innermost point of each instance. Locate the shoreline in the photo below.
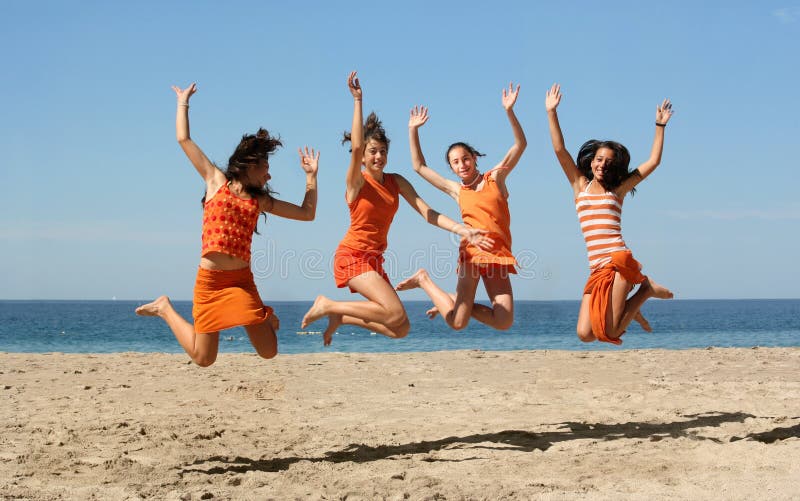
(718, 423)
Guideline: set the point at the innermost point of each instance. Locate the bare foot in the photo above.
(643, 321)
(659, 291)
(154, 309)
(413, 282)
(334, 321)
(432, 312)
(314, 313)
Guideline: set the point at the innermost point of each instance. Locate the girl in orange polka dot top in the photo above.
(225, 294)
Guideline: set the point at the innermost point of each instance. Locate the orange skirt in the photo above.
(599, 286)
(226, 299)
(489, 265)
(349, 263)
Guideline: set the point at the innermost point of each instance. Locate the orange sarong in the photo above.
(599, 286)
(226, 299)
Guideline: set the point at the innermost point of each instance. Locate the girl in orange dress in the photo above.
(372, 196)
(600, 180)
(483, 200)
(225, 294)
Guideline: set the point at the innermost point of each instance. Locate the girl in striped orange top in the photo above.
(600, 180)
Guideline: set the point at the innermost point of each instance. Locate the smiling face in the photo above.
(601, 163)
(376, 154)
(463, 163)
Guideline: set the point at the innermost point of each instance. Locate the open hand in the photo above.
(354, 85)
(309, 160)
(185, 94)
(664, 112)
(479, 238)
(553, 98)
(419, 115)
(510, 96)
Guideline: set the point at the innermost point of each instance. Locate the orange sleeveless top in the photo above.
(487, 209)
(371, 214)
(228, 224)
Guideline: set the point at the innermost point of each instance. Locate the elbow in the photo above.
(182, 140)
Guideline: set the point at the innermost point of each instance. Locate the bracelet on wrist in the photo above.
(660, 125)
(184, 103)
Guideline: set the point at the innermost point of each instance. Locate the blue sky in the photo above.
(100, 202)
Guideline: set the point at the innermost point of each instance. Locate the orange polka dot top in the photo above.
(228, 224)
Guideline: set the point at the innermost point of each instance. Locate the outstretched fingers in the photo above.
(510, 96)
(664, 111)
(418, 116)
(553, 97)
(354, 85)
(309, 159)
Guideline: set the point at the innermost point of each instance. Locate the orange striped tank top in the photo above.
(228, 224)
(600, 217)
(371, 214)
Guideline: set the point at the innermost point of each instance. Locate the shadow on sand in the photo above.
(515, 440)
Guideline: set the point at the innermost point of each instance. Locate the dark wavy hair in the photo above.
(251, 148)
(461, 144)
(618, 171)
(373, 129)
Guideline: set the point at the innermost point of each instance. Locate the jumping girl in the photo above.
(600, 180)
(225, 294)
(483, 200)
(372, 197)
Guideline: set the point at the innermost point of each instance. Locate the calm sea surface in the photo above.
(112, 326)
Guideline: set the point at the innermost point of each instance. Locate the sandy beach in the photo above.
(695, 424)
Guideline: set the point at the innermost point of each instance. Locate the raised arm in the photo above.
(520, 143)
(474, 236)
(663, 114)
(309, 162)
(207, 170)
(551, 102)
(419, 115)
(354, 180)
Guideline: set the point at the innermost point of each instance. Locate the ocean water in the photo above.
(112, 327)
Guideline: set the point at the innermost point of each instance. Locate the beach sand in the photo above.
(650, 424)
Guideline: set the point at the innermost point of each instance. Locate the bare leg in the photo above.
(647, 289)
(382, 313)
(202, 348)
(501, 315)
(262, 337)
(456, 311)
(584, 327)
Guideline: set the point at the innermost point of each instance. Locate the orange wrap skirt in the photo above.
(349, 263)
(599, 286)
(226, 299)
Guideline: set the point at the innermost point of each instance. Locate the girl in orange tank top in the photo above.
(606, 309)
(483, 200)
(372, 197)
(225, 293)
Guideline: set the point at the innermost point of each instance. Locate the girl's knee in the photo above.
(401, 330)
(505, 323)
(268, 352)
(205, 360)
(587, 336)
(396, 317)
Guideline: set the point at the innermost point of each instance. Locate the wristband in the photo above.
(660, 125)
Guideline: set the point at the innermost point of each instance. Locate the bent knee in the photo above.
(205, 360)
(396, 317)
(587, 336)
(268, 353)
(402, 329)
